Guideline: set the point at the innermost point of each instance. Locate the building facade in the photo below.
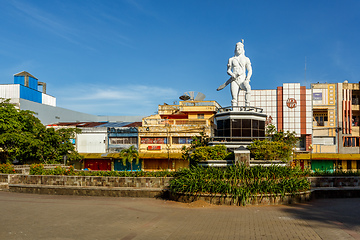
(325, 118)
(288, 108)
(100, 143)
(26, 87)
(335, 127)
(162, 136)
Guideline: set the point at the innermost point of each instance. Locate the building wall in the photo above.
(162, 136)
(10, 91)
(288, 107)
(92, 140)
(324, 118)
(48, 100)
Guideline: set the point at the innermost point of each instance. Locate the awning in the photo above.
(147, 155)
(100, 155)
(161, 155)
(327, 156)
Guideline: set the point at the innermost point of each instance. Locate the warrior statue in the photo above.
(239, 68)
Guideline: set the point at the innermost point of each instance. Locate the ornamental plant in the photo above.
(7, 168)
(198, 151)
(218, 152)
(240, 182)
(278, 146)
(37, 169)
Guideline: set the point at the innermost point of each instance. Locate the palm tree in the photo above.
(128, 155)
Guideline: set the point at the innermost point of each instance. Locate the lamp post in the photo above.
(65, 158)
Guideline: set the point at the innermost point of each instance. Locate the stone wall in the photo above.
(263, 199)
(322, 182)
(143, 182)
(321, 187)
(86, 181)
(4, 178)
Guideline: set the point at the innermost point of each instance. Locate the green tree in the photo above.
(129, 155)
(24, 138)
(197, 141)
(279, 145)
(198, 150)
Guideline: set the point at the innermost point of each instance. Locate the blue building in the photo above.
(28, 93)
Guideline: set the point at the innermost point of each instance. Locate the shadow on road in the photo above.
(340, 212)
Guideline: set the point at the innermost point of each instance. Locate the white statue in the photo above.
(236, 68)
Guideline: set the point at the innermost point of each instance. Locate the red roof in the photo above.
(78, 124)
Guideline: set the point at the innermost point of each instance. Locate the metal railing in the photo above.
(241, 109)
(164, 122)
(236, 139)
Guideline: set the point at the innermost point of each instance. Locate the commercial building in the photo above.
(288, 108)
(335, 127)
(325, 118)
(162, 136)
(100, 143)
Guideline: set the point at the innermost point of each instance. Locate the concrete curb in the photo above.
(87, 191)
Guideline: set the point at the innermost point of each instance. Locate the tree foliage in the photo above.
(24, 138)
(279, 146)
(129, 155)
(198, 150)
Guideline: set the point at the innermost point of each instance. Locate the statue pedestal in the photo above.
(237, 127)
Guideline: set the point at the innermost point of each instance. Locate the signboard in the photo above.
(317, 96)
(154, 147)
(291, 103)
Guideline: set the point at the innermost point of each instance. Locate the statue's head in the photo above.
(239, 49)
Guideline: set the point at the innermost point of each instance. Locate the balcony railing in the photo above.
(171, 108)
(240, 109)
(164, 122)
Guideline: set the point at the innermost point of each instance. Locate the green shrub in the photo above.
(37, 169)
(218, 152)
(7, 168)
(278, 146)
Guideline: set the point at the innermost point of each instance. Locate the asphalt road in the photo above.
(30, 216)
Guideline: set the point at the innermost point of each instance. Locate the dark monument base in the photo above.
(237, 128)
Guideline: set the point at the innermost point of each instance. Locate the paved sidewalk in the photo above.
(31, 216)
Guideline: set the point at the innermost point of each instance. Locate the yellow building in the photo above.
(336, 123)
(163, 135)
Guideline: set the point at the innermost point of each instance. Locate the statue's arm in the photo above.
(249, 69)
(229, 69)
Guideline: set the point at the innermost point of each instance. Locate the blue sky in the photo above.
(119, 57)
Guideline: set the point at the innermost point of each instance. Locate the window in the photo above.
(181, 140)
(154, 140)
(351, 141)
(355, 100)
(123, 140)
(320, 117)
(355, 121)
(301, 143)
(200, 116)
